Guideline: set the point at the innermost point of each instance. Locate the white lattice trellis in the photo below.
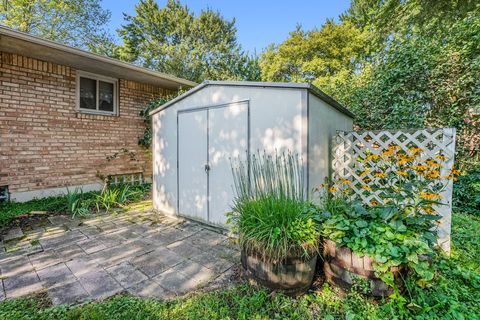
(350, 147)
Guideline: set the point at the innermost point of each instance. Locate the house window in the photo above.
(97, 94)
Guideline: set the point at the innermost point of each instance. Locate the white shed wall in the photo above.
(323, 122)
(277, 122)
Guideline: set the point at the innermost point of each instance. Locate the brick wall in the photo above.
(45, 143)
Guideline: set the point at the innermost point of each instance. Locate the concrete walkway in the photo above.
(137, 252)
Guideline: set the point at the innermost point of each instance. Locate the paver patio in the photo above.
(138, 252)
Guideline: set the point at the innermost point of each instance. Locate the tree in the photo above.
(79, 23)
(385, 19)
(326, 57)
(175, 41)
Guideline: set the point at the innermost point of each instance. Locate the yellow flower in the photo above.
(388, 152)
(402, 173)
(321, 185)
(434, 174)
(419, 167)
(455, 172)
(333, 189)
(394, 147)
(415, 150)
(429, 210)
(380, 175)
(364, 172)
(402, 159)
(366, 187)
(345, 181)
(450, 176)
(441, 157)
(372, 157)
(433, 163)
(374, 203)
(366, 180)
(429, 196)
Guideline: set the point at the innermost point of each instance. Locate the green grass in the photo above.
(454, 295)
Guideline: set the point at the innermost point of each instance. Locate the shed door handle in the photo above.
(207, 168)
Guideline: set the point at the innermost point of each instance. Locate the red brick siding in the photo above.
(45, 143)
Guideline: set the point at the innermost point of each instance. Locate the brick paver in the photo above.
(141, 253)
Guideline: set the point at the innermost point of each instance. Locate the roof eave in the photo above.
(4, 31)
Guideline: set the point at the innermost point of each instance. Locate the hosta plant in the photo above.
(397, 227)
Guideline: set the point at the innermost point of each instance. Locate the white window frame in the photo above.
(97, 78)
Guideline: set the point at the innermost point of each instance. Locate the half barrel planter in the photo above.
(342, 266)
(293, 276)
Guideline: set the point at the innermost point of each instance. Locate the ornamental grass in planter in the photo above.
(275, 222)
(394, 235)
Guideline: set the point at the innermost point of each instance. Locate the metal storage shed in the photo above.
(195, 134)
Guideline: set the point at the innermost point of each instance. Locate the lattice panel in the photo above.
(350, 148)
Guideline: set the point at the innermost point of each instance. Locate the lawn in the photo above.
(454, 295)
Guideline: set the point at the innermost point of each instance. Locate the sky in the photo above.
(259, 23)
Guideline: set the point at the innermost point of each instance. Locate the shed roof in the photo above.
(13, 41)
(289, 85)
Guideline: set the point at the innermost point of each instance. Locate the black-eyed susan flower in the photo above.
(402, 173)
(380, 175)
(429, 196)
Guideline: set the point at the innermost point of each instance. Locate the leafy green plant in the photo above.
(107, 199)
(146, 139)
(79, 203)
(466, 192)
(400, 230)
(124, 194)
(73, 199)
(270, 213)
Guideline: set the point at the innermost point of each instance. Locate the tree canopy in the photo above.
(395, 64)
(174, 40)
(79, 23)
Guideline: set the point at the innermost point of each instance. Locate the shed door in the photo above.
(192, 158)
(207, 139)
(227, 138)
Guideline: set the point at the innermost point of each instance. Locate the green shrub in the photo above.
(466, 192)
(270, 212)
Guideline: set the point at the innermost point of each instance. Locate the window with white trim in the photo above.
(97, 94)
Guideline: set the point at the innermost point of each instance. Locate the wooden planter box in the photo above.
(293, 276)
(341, 266)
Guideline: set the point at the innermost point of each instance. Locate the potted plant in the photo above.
(395, 232)
(274, 222)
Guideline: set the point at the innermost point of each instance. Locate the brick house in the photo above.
(69, 117)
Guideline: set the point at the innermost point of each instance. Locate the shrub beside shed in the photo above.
(196, 134)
